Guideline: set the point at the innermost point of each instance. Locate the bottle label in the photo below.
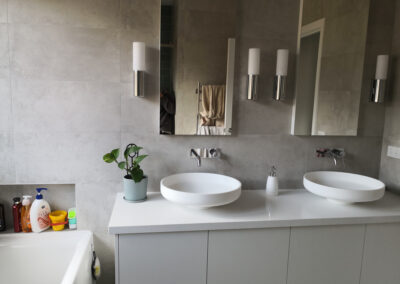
(43, 218)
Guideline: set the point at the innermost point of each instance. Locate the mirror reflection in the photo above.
(197, 67)
(332, 40)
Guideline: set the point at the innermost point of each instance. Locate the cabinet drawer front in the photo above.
(166, 258)
(328, 255)
(381, 254)
(248, 256)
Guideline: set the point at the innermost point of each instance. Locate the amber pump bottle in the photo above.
(16, 209)
(25, 214)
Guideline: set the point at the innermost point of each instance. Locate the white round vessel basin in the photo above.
(344, 187)
(200, 190)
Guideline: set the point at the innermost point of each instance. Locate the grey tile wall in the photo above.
(66, 85)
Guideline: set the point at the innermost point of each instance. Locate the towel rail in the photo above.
(198, 89)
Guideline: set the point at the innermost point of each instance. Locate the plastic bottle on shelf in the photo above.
(16, 209)
(39, 213)
(25, 214)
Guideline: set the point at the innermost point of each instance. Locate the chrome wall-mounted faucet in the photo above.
(193, 153)
(334, 153)
(208, 153)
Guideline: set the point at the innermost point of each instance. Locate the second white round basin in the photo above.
(344, 187)
(200, 190)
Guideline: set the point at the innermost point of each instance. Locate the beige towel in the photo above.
(213, 105)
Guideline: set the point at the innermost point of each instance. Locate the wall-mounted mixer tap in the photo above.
(193, 153)
(207, 153)
(334, 153)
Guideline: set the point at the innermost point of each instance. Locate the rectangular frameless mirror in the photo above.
(197, 67)
(331, 50)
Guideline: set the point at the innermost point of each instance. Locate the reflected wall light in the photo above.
(253, 72)
(378, 84)
(139, 67)
(282, 60)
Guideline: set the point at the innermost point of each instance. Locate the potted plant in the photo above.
(135, 182)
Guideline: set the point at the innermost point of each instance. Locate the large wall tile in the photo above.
(142, 16)
(6, 106)
(64, 157)
(66, 106)
(72, 13)
(96, 195)
(139, 114)
(3, 11)
(64, 53)
(269, 19)
(7, 162)
(4, 54)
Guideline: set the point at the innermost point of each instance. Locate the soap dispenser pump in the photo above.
(39, 213)
(272, 186)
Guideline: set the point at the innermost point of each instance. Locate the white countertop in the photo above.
(292, 208)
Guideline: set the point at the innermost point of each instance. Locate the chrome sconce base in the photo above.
(279, 87)
(138, 81)
(377, 91)
(252, 83)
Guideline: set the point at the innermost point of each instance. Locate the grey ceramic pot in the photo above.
(135, 192)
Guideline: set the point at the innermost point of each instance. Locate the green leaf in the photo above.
(134, 149)
(126, 153)
(137, 175)
(140, 158)
(108, 158)
(121, 165)
(115, 153)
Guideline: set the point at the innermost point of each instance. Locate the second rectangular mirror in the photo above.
(332, 42)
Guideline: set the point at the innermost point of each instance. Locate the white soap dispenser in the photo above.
(272, 186)
(39, 213)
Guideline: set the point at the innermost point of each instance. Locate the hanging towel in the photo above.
(213, 105)
(211, 130)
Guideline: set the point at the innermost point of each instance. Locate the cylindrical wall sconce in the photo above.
(378, 84)
(139, 66)
(253, 72)
(282, 60)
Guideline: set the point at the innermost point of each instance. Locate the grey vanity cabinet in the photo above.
(345, 254)
(257, 256)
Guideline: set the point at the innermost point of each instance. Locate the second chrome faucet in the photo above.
(335, 154)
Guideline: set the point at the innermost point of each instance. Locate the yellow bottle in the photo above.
(25, 214)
